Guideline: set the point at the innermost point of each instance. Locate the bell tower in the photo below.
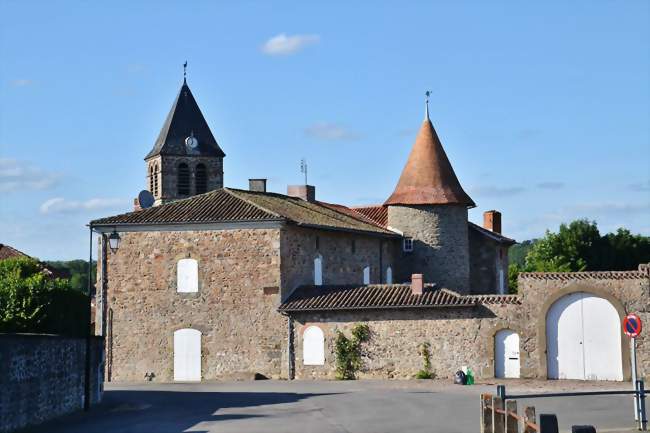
(186, 159)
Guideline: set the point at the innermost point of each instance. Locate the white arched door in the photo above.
(506, 354)
(187, 355)
(313, 346)
(583, 339)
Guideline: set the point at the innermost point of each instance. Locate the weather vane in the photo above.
(426, 112)
(303, 168)
(185, 71)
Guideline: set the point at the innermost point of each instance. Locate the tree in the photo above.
(30, 301)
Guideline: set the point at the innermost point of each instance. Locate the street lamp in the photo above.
(114, 241)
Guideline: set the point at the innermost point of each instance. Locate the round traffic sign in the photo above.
(632, 325)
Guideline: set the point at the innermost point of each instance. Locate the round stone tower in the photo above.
(429, 206)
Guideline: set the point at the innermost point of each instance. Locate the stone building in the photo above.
(214, 282)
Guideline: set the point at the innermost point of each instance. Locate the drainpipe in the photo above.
(290, 351)
(88, 331)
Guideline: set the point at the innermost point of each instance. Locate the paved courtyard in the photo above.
(327, 407)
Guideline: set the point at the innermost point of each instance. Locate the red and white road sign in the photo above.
(632, 325)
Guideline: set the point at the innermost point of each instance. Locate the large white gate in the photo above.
(583, 339)
(506, 354)
(187, 355)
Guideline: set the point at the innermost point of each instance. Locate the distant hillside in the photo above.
(78, 271)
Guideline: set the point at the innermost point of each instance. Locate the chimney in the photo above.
(416, 284)
(305, 192)
(136, 205)
(492, 221)
(258, 185)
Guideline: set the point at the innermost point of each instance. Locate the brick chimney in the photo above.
(492, 221)
(136, 205)
(258, 185)
(305, 192)
(417, 285)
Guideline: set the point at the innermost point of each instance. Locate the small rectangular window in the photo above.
(407, 245)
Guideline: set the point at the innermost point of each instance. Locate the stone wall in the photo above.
(466, 336)
(43, 377)
(235, 307)
(440, 243)
(168, 174)
(486, 258)
(344, 255)
(458, 337)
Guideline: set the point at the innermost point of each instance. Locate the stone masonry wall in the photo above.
(42, 377)
(440, 244)
(458, 337)
(341, 265)
(486, 257)
(168, 175)
(235, 307)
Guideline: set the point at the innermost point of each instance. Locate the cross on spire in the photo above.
(185, 72)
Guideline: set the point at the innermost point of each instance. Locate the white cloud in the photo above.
(330, 131)
(22, 82)
(282, 45)
(62, 205)
(21, 176)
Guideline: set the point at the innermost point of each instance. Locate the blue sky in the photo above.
(543, 108)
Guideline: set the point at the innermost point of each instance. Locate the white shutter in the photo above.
(313, 346)
(187, 276)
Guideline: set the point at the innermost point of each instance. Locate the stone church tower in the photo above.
(186, 159)
(429, 206)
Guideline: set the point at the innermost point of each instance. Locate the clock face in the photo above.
(191, 142)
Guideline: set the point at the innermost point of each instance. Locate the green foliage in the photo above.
(517, 253)
(348, 352)
(425, 352)
(32, 302)
(78, 271)
(578, 246)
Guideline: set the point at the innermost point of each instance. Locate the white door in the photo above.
(313, 346)
(583, 339)
(506, 354)
(187, 355)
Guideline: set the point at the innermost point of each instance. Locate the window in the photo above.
(183, 183)
(389, 275)
(353, 246)
(366, 275)
(407, 245)
(318, 270)
(317, 243)
(313, 346)
(187, 276)
(151, 179)
(155, 181)
(201, 179)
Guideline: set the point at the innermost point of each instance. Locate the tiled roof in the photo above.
(497, 299)
(234, 205)
(593, 275)
(7, 252)
(374, 296)
(428, 177)
(489, 233)
(377, 213)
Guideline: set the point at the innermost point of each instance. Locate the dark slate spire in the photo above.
(184, 120)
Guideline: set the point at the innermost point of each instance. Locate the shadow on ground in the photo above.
(134, 411)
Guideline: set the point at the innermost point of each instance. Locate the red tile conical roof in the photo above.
(428, 177)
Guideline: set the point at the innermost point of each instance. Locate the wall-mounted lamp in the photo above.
(114, 241)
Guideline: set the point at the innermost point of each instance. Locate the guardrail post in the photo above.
(486, 413)
(643, 420)
(548, 423)
(511, 421)
(501, 392)
(498, 419)
(529, 416)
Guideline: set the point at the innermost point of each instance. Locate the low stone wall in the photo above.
(43, 377)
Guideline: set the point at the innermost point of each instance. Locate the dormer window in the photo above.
(407, 245)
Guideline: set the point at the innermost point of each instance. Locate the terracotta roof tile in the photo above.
(377, 213)
(642, 273)
(374, 296)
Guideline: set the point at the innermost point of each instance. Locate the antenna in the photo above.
(185, 72)
(303, 168)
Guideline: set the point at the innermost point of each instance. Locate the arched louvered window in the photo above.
(201, 179)
(155, 181)
(151, 179)
(183, 179)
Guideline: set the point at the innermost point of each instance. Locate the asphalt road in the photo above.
(323, 407)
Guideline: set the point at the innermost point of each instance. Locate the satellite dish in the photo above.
(145, 198)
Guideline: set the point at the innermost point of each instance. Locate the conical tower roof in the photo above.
(428, 177)
(184, 120)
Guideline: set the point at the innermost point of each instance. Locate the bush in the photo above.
(425, 352)
(348, 352)
(32, 302)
